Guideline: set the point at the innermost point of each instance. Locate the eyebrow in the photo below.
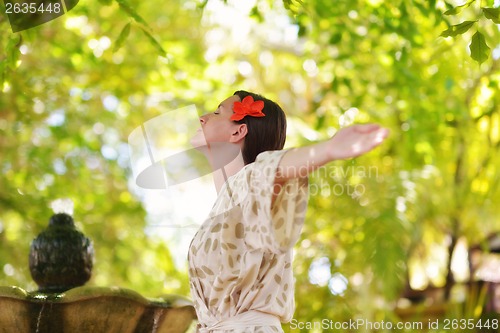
(223, 106)
(226, 107)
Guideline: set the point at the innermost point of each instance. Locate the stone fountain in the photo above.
(61, 259)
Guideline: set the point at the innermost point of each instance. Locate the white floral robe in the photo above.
(241, 257)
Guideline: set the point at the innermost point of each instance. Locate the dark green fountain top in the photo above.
(61, 220)
(61, 257)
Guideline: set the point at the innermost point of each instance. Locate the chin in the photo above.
(198, 140)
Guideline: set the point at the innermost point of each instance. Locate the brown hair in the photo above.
(264, 133)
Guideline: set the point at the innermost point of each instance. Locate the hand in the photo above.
(356, 140)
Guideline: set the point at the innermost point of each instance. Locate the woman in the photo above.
(240, 259)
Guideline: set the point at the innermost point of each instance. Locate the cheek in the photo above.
(218, 132)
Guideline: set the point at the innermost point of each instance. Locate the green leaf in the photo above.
(457, 29)
(2, 73)
(422, 8)
(458, 9)
(126, 7)
(12, 51)
(123, 35)
(155, 43)
(255, 13)
(479, 50)
(202, 4)
(492, 14)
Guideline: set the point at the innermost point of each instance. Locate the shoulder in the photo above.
(269, 157)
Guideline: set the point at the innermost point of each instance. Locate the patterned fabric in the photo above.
(241, 257)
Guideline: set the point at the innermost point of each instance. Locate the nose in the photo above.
(203, 119)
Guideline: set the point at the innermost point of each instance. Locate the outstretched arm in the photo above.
(348, 142)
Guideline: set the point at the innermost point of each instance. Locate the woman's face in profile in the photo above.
(216, 126)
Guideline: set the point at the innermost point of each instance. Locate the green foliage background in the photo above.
(411, 65)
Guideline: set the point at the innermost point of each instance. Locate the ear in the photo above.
(239, 132)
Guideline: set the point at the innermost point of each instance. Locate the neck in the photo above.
(225, 159)
(224, 172)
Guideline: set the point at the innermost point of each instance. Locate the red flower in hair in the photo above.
(247, 107)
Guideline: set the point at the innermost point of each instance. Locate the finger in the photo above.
(367, 128)
(382, 134)
(379, 136)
